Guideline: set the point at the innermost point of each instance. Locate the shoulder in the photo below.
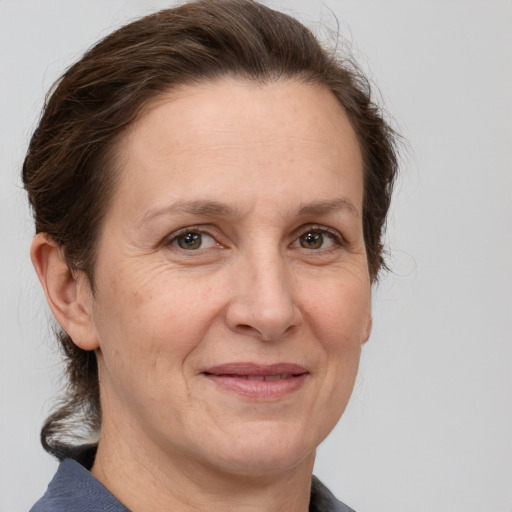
(74, 488)
(323, 500)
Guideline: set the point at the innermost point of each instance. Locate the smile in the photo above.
(258, 382)
(262, 377)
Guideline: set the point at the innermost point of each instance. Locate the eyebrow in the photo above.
(192, 207)
(324, 207)
(223, 210)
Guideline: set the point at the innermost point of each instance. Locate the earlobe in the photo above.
(67, 295)
(368, 328)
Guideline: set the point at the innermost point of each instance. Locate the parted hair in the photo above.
(70, 174)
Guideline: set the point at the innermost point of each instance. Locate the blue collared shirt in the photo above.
(74, 489)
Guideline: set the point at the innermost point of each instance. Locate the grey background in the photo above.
(429, 427)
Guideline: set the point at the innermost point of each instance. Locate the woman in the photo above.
(209, 189)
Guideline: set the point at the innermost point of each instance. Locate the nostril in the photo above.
(245, 328)
(261, 318)
(249, 330)
(289, 329)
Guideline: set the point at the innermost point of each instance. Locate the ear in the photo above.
(67, 293)
(368, 328)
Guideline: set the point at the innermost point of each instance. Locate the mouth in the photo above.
(258, 382)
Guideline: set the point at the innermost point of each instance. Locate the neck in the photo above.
(148, 479)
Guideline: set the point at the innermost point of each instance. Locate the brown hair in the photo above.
(69, 172)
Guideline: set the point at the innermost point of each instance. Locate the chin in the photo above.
(266, 450)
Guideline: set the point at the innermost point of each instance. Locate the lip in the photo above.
(258, 381)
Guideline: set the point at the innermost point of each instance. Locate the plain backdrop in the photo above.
(429, 427)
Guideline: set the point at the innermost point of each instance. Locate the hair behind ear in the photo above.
(69, 298)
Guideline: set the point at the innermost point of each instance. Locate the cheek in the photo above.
(339, 319)
(151, 321)
(339, 311)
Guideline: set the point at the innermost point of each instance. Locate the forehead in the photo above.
(203, 138)
(311, 111)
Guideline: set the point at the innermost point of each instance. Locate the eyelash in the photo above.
(174, 237)
(331, 234)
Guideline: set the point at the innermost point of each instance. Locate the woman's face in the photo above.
(233, 293)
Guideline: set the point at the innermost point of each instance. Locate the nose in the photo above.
(263, 303)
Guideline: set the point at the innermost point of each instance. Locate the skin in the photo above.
(285, 165)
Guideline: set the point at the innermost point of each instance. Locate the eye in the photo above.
(192, 240)
(317, 238)
(311, 240)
